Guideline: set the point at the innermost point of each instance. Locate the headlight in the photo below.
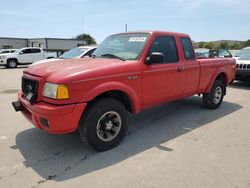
(55, 91)
(2, 57)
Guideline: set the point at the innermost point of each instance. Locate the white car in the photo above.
(235, 53)
(6, 51)
(24, 56)
(243, 65)
(79, 52)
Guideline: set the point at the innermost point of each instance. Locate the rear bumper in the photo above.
(242, 74)
(52, 118)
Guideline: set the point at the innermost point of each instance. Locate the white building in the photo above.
(45, 43)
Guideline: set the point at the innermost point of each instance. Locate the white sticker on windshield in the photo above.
(137, 39)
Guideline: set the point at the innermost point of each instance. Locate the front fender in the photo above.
(111, 86)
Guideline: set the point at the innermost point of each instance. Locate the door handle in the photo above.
(180, 69)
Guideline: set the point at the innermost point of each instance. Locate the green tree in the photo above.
(208, 45)
(247, 43)
(235, 46)
(201, 44)
(86, 37)
(224, 45)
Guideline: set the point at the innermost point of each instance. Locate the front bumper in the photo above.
(2, 61)
(56, 119)
(242, 74)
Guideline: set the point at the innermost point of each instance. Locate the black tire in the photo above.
(11, 63)
(101, 122)
(214, 98)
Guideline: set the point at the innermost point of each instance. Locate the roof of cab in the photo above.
(154, 32)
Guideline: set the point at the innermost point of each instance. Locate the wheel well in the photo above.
(119, 95)
(222, 77)
(12, 59)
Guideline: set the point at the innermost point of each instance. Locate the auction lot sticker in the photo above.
(137, 39)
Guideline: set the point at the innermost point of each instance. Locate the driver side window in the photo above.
(26, 51)
(167, 46)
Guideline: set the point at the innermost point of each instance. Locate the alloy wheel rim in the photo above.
(108, 126)
(12, 64)
(217, 95)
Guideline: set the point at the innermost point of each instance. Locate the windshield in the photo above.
(235, 53)
(73, 53)
(244, 51)
(123, 46)
(245, 56)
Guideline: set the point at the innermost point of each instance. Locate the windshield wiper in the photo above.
(112, 56)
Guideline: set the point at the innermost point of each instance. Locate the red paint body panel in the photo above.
(61, 119)
(89, 77)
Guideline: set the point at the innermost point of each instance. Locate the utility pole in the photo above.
(82, 22)
(126, 28)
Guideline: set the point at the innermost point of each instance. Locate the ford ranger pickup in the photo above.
(127, 73)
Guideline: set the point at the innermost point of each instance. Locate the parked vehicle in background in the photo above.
(7, 51)
(202, 53)
(79, 52)
(235, 53)
(243, 65)
(245, 50)
(220, 53)
(128, 72)
(24, 56)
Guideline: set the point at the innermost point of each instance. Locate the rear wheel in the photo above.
(214, 98)
(104, 124)
(11, 63)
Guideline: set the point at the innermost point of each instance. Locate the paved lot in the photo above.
(179, 144)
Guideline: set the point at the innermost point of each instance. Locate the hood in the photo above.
(7, 54)
(45, 61)
(65, 71)
(243, 61)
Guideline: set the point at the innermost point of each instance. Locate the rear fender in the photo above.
(217, 73)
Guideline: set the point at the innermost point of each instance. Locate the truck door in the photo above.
(25, 56)
(163, 81)
(37, 54)
(192, 67)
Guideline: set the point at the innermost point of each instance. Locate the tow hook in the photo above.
(17, 106)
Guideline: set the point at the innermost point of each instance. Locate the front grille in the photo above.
(243, 66)
(29, 86)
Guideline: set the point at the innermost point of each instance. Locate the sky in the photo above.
(203, 20)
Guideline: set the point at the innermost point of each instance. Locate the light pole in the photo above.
(82, 22)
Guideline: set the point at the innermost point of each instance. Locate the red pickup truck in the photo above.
(128, 72)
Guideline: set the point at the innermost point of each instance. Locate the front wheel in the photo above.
(104, 124)
(214, 98)
(11, 63)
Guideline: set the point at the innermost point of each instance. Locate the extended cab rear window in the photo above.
(167, 46)
(187, 48)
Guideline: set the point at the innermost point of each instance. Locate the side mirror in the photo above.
(20, 53)
(227, 56)
(154, 58)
